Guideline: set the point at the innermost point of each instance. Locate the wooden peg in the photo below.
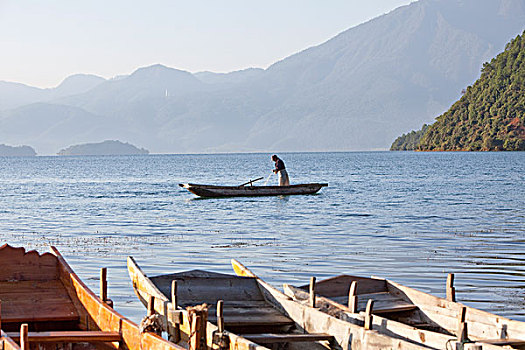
(194, 335)
(24, 341)
(0, 315)
(451, 291)
(220, 316)
(174, 330)
(151, 305)
(462, 332)
(368, 314)
(198, 317)
(312, 292)
(174, 300)
(352, 297)
(103, 284)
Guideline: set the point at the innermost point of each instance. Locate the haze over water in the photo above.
(409, 217)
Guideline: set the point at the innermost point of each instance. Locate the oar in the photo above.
(251, 181)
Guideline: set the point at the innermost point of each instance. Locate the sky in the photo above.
(43, 42)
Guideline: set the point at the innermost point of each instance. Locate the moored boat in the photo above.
(254, 315)
(44, 305)
(250, 191)
(410, 314)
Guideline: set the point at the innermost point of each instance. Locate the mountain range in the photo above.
(357, 91)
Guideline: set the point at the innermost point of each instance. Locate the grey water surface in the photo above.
(410, 217)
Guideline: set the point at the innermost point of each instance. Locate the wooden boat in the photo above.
(254, 314)
(243, 191)
(44, 305)
(403, 312)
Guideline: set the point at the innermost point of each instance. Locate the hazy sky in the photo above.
(43, 42)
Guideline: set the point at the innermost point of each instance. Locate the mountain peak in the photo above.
(157, 70)
(77, 84)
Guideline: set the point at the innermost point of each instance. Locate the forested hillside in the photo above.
(409, 141)
(491, 114)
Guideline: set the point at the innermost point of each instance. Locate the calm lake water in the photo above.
(409, 217)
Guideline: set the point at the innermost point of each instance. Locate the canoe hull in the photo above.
(347, 335)
(431, 320)
(211, 191)
(60, 309)
(145, 288)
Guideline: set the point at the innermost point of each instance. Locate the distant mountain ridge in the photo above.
(357, 91)
(13, 95)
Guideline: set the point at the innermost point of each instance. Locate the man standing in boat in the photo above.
(281, 170)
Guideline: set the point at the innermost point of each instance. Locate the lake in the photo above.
(410, 217)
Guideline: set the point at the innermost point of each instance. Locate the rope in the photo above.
(152, 323)
(268, 179)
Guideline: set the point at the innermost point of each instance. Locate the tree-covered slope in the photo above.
(491, 114)
(409, 141)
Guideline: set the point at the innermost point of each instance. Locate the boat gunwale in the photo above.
(252, 188)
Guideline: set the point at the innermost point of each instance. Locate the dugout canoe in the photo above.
(45, 306)
(407, 313)
(311, 320)
(255, 315)
(211, 191)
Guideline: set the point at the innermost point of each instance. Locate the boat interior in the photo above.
(421, 310)
(246, 311)
(40, 307)
(389, 301)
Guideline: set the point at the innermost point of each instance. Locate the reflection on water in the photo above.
(410, 217)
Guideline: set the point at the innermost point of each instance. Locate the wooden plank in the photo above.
(237, 321)
(268, 338)
(210, 289)
(19, 265)
(69, 336)
(229, 304)
(383, 303)
(340, 285)
(19, 300)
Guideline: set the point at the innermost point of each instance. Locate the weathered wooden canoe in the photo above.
(253, 312)
(243, 191)
(346, 335)
(403, 312)
(44, 305)
(188, 292)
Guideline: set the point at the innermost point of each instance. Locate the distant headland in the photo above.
(488, 117)
(18, 151)
(105, 148)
